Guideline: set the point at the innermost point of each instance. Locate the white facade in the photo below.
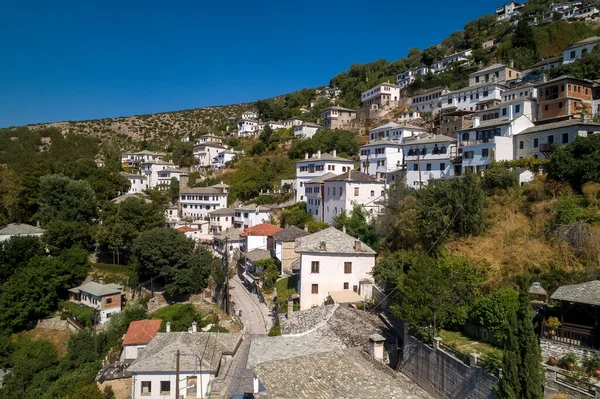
(577, 50)
(343, 192)
(139, 183)
(395, 132)
(314, 196)
(136, 158)
(193, 384)
(510, 110)
(318, 165)
(306, 130)
(461, 56)
(197, 203)
(292, 122)
(530, 92)
(489, 141)
(496, 73)
(586, 12)
(271, 124)
(428, 157)
(131, 351)
(224, 157)
(381, 93)
(471, 98)
(250, 215)
(249, 115)
(207, 153)
(247, 128)
(380, 157)
(160, 173)
(221, 220)
(508, 10)
(428, 101)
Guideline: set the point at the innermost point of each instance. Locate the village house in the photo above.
(394, 131)
(139, 183)
(138, 336)
(306, 130)
(285, 243)
(381, 94)
(250, 215)
(159, 173)
(221, 220)
(473, 98)
(315, 196)
(577, 50)
(343, 192)
(292, 122)
(198, 202)
(510, 109)
(563, 98)
(206, 149)
(538, 141)
(259, 237)
(223, 158)
(489, 141)
(407, 77)
(427, 157)
(446, 62)
(545, 65)
(272, 124)
(19, 230)
(318, 165)
(106, 299)
(332, 261)
(228, 242)
(247, 128)
(587, 12)
(508, 10)
(495, 73)
(199, 232)
(250, 115)
(337, 117)
(526, 90)
(379, 157)
(134, 159)
(201, 356)
(428, 100)
(252, 271)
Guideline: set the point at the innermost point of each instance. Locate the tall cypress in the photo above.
(509, 386)
(530, 373)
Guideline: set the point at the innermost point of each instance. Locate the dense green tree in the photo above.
(497, 177)
(64, 199)
(399, 228)
(523, 36)
(343, 141)
(107, 185)
(111, 151)
(63, 234)
(269, 272)
(509, 386)
(358, 224)
(576, 163)
(295, 215)
(183, 153)
(493, 312)
(10, 190)
(16, 253)
(180, 315)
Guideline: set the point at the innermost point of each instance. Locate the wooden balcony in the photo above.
(571, 334)
(545, 147)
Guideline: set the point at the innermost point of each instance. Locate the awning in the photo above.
(345, 296)
(249, 278)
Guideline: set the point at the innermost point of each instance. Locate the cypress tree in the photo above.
(509, 386)
(530, 373)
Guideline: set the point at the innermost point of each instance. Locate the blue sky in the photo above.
(70, 60)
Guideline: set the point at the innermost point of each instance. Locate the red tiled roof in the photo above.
(186, 229)
(141, 332)
(264, 229)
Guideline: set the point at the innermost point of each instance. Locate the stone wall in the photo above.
(559, 349)
(554, 386)
(305, 320)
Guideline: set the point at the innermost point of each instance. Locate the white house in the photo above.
(508, 10)
(198, 232)
(138, 336)
(221, 220)
(306, 130)
(314, 196)
(247, 128)
(18, 230)
(332, 261)
(495, 73)
(292, 122)
(134, 159)
(379, 157)
(311, 167)
(198, 202)
(250, 215)
(272, 124)
(228, 242)
(343, 192)
(528, 91)
(407, 77)
(446, 62)
(510, 109)
(250, 115)
(380, 94)
(428, 100)
(225, 157)
(394, 131)
(489, 141)
(287, 258)
(206, 149)
(106, 299)
(577, 50)
(159, 173)
(139, 183)
(260, 237)
(428, 157)
(586, 12)
(472, 98)
(201, 357)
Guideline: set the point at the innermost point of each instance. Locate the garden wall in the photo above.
(559, 349)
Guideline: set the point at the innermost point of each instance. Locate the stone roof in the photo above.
(566, 77)
(326, 157)
(132, 176)
(159, 355)
(290, 234)
(354, 176)
(254, 208)
(336, 242)
(491, 68)
(145, 152)
(547, 61)
(322, 178)
(339, 109)
(587, 293)
(201, 190)
(258, 254)
(139, 196)
(222, 211)
(141, 332)
(388, 143)
(490, 123)
(589, 40)
(16, 229)
(389, 125)
(231, 234)
(557, 125)
(429, 139)
(310, 124)
(97, 289)
(341, 374)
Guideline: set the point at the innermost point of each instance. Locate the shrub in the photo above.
(275, 330)
(492, 362)
(181, 317)
(497, 177)
(566, 211)
(590, 191)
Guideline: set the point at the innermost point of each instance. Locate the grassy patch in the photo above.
(58, 338)
(465, 344)
(285, 287)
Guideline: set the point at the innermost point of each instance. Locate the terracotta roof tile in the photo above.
(264, 229)
(141, 332)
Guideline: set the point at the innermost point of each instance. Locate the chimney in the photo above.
(357, 245)
(306, 227)
(512, 64)
(476, 121)
(290, 309)
(37, 224)
(306, 155)
(101, 281)
(344, 229)
(319, 154)
(323, 246)
(334, 152)
(376, 347)
(168, 326)
(194, 327)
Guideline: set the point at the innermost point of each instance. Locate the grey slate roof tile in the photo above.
(336, 242)
(587, 293)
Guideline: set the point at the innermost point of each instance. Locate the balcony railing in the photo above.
(572, 335)
(545, 147)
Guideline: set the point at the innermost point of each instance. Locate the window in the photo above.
(347, 267)
(146, 387)
(536, 142)
(108, 301)
(346, 286)
(503, 111)
(572, 54)
(521, 144)
(485, 152)
(355, 288)
(442, 166)
(517, 108)
(372, 193)
(315, 288)
(165, 387)
(428, 166)
(565, 138)
(314, 267)
(560, 104)
(546, 107)
(415, 167)
(356, 191)
(192, 386)
(551, 139)
(476, 79)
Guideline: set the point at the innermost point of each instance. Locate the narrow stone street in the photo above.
(256, 317)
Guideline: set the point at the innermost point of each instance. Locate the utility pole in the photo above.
(177, 375)
(227, 275)
(95, 340)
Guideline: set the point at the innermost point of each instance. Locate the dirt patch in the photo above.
(121, 388)
(58, 338)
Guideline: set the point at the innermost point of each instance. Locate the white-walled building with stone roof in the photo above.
(318, 165)
(198, 202)
(332, 261)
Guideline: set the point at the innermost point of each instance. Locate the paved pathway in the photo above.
(256, 317)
